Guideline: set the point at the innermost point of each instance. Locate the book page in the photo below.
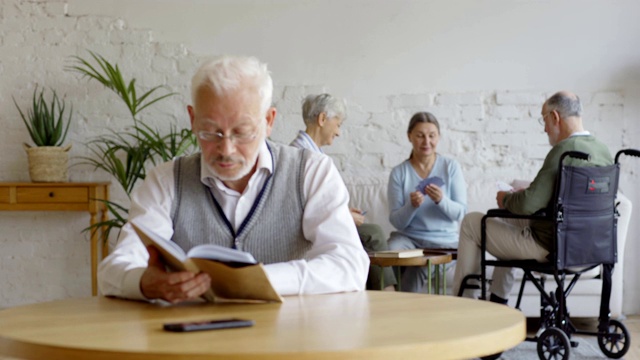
(171, 253)
(243, 283)
(221, 253)
(399, 253)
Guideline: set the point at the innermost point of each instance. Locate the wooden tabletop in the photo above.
(434, 258)
(366, 325)
(54, 184)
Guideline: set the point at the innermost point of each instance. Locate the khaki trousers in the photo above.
(507, 239)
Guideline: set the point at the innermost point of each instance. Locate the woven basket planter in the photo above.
(48, 163)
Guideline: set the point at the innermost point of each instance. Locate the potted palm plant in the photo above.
(126, 153)
(48, 124)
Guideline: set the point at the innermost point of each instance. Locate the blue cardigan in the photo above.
(437, 223)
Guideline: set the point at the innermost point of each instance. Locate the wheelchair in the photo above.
(584, 216)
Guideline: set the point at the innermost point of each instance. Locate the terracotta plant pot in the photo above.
(48, 163)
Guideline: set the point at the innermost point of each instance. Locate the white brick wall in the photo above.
(493, 133)
(44, 255)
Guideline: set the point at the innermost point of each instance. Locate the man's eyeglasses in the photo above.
(216, 137)
(541, 120)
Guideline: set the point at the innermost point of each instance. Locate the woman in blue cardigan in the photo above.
(425, 216)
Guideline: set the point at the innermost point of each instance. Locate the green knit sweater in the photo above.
(538, 195)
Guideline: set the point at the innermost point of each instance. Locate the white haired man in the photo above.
(240, 191)
(514, 239)
(323, 115)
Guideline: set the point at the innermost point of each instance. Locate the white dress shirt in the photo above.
(336, 261)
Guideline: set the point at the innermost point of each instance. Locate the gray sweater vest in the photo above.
(271, 232)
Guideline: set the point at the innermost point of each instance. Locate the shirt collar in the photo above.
(580, 133)
(265, 164)
(311, 145)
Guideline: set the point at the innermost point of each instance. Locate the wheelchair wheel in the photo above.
(553, 344)
(616, 341)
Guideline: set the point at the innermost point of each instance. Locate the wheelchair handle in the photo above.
(575, 154)
(630, 152)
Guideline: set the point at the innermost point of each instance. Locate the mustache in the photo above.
(226, 159)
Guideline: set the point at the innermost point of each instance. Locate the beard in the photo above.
(246, 165)
(244, 170)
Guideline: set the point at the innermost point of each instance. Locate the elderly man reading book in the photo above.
(287, 207)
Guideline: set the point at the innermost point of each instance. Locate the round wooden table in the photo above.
(364, 325)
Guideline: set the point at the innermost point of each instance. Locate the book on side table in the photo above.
(235, 275)
(398, 253)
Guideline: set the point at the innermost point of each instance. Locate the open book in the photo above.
(398, 253)
(235, 275)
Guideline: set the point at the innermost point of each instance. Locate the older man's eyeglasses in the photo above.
(541, 120)
(236, 138)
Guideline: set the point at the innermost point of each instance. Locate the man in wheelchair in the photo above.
(520, 239)
(565, 222)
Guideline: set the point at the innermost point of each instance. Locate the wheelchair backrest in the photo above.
(586, 220)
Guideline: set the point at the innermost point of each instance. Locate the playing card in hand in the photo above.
(435, 180)
(503, 186)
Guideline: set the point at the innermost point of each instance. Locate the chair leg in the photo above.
(398, 277)
(465, 285)
(522, 284)
(429, 274)
(444, 279)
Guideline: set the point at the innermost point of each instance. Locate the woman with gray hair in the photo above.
(323, 115)
(427, 198)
